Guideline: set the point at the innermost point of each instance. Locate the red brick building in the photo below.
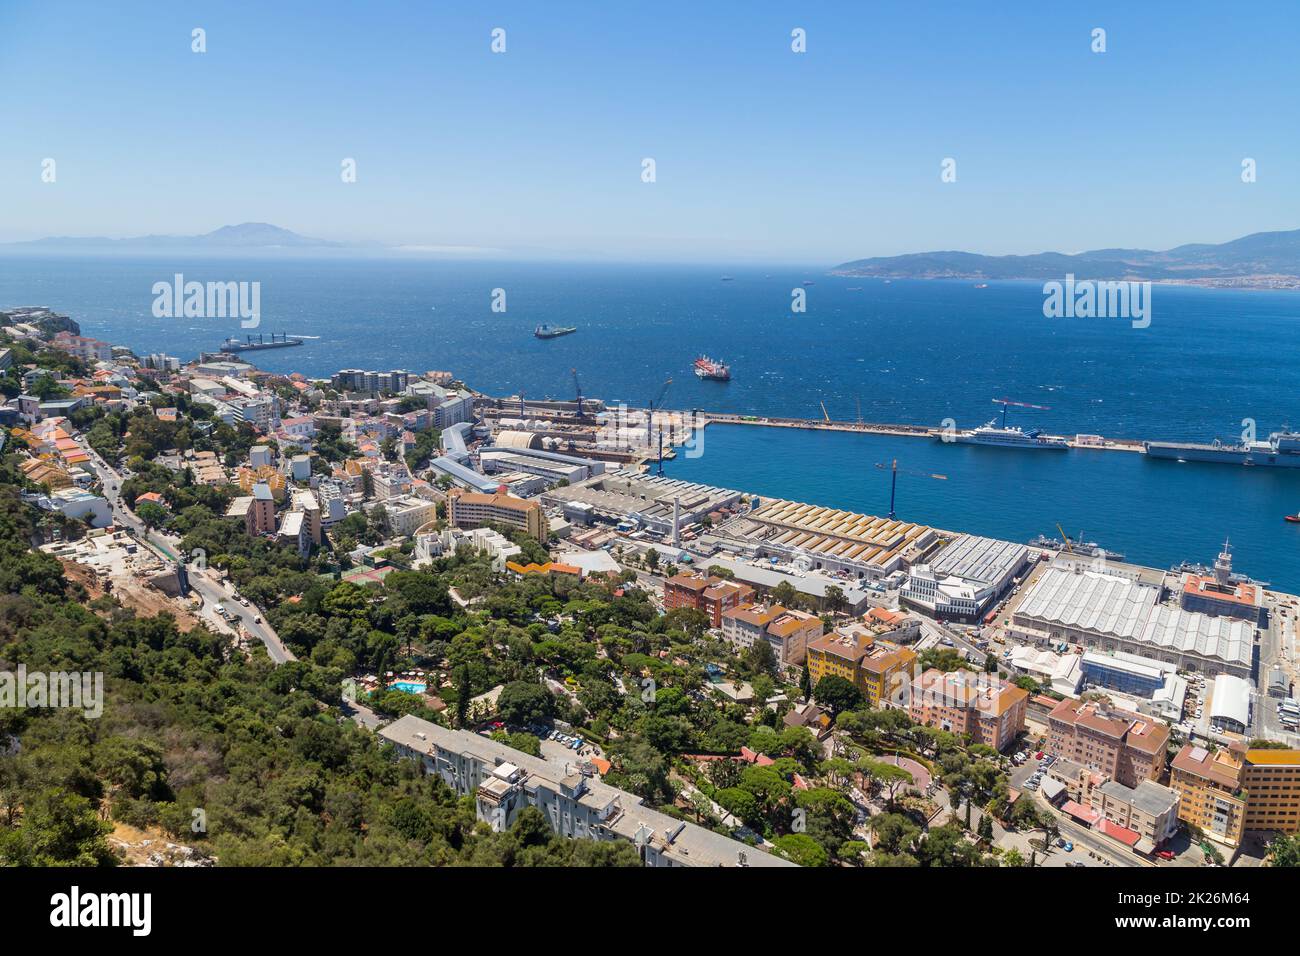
(1121, 745)
(712, 595)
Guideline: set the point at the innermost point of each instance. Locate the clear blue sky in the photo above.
(761, 153)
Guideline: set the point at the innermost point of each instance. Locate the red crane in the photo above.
(1004, 402)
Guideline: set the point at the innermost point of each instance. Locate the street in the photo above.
(212, 591)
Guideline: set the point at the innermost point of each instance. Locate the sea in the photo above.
(1211, 364)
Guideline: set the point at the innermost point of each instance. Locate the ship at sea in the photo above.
(250, 344)
(553, 331)
(706, 367)
(1281, 450)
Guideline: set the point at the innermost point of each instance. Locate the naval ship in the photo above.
(1281, 450)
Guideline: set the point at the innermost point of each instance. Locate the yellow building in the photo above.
(854, 652)
(1271, 779)
(1209, 785)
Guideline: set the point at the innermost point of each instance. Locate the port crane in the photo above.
(578, 388)
(1004, 402)
(657, 402)
(825, 414)
(894, 471)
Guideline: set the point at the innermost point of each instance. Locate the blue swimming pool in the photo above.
(410, 686)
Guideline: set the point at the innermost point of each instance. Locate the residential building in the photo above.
(990, 710)
(260, 516)
(504, 781)
(708, 593)
(1272, 782)
(407, 514)
(1148, 810)
(1209, 784)
(467, 509)
(876, 667)
(788, 632)
(1120, 745)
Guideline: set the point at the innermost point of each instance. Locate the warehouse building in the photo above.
(1115, 613)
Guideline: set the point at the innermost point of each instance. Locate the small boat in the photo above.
(981, 285)
(728, 278)
(553, 331)
(1294, 519)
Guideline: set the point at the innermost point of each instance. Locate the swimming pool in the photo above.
(409, 686)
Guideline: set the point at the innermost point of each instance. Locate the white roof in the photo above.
(1231, 699)
(1192, 632)
(1091, 601)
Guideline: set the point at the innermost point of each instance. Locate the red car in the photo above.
(1039, 755)
(1165, 854)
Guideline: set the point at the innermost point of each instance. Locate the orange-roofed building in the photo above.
(711, 594)
(1123, 746)
(874, 666)
(990, 710)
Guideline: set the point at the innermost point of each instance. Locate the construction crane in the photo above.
(1065, 539)
(893, 480)
(825, 414)
(578, 388)
(521, 406)
(657, 402)
(1004, 402)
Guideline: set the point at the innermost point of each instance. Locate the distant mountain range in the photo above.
(1260, 260)
(246, 235)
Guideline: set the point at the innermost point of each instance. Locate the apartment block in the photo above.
(1148, 810)
(466, 509)
(874, 666)
(1209, 785)
(1122, 746)
(990, 710)
(713, 595)
(789, 632)
(1272, 782)
(574, 800)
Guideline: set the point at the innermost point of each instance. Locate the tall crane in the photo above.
(1004, 402)
(825, 414)
(657, 402)
(578, 388)
(893, 480)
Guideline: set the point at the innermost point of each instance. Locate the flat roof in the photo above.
(986, 561)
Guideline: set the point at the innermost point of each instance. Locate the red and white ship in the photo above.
(706, 367)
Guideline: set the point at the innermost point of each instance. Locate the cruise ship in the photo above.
(1008, 437)
(1281, 450)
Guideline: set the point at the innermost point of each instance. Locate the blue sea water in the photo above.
(906, 351)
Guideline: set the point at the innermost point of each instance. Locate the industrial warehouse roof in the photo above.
(1230, 700)
(1090, 601)
(834, 533)
(467, 476)
(983, 560)
(1190, 632)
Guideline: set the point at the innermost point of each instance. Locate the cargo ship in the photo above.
(1281, 450)
(250, 344)
(553, 331)
(706, 367)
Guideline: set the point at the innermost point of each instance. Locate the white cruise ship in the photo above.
(1012, 437)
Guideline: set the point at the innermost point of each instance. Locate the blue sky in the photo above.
(761, 153)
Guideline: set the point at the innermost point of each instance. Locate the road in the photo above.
(213, 591)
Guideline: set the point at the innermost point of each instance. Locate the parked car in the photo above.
(1165, 854)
